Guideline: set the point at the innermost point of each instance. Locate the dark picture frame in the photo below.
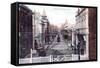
(16, 28)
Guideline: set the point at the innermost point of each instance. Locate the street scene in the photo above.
(52, 34)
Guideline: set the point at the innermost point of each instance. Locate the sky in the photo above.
(56, 15)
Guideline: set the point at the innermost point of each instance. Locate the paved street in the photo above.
(62, 45)
(59, 46)
(60, 50)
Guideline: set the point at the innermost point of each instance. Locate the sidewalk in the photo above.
(35, 60)
(82, 57)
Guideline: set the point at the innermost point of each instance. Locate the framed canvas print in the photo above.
(52, 33)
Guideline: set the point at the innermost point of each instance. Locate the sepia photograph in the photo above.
(53, 33)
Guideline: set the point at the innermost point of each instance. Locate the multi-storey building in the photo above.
(37, 28)
(25, 31)
(86, 25)
(82, 28)
(45, 28)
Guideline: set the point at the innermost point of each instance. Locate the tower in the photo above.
(45, 28)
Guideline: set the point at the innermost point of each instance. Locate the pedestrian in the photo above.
(36, 45)
(58, 38)
(81, 43)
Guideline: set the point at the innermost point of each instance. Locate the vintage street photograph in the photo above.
(53, 33)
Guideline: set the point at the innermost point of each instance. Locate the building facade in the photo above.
(40, 29)
(86, 20)
(82, 29)
(25, 31)
(37, 28)
(45, 28)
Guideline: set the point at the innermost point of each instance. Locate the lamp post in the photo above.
(33, 20)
